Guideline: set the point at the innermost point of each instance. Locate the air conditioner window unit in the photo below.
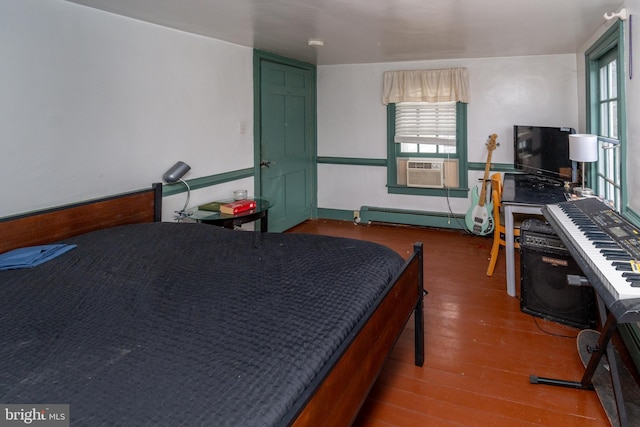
(427, 173)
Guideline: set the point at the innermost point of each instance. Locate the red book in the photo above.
(238, 206)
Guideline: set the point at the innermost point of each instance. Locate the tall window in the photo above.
(605, 80)
(609, 162)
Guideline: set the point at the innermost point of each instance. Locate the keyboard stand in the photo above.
(613, 309)
(610, 323)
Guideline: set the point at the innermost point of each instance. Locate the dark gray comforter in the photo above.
(170, 324)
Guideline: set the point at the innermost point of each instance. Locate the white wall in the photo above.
(92, 104)
(537, 90)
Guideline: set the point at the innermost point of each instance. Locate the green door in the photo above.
(287, 142)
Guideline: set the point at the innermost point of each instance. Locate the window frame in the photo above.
(393, 154)
(610, 45)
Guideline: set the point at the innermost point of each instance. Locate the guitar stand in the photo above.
(604, 345)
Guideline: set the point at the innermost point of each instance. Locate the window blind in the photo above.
(426, 123)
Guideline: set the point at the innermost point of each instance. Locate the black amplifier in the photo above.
(545, 263)
(538, 234)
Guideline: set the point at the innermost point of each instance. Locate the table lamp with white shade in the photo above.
(583, 148)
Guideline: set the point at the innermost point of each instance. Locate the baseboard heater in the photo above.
(372, 214)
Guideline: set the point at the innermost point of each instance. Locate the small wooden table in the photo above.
(261, 212)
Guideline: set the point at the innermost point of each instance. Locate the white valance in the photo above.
(451, 84)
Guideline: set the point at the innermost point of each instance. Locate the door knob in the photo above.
(265, 163)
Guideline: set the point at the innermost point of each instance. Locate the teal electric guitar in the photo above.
(479, 218)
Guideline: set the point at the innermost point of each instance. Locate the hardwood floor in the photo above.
(480, 348)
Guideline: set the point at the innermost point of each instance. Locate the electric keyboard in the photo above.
(607, 249)
(604, 244)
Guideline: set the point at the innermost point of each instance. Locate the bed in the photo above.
(152, 323)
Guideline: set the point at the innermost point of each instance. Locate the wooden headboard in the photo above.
(50, 225)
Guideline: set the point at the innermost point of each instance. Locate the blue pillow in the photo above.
(31, 256)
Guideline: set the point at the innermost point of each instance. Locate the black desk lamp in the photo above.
(175, 174)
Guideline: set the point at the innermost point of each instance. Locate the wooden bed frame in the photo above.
(340, 389)
(62, 222)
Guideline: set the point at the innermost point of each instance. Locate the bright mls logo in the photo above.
(36, 415)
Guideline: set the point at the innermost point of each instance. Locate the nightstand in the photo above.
(261, 212)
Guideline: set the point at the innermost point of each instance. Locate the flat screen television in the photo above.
(544, 151)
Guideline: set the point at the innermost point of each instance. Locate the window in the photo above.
(427, 120)
(608, 166)
(605, 114)
(431, 131)
(426, 128)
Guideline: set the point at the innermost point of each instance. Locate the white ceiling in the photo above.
(367, 31)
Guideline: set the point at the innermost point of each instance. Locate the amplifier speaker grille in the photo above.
(544, 266)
